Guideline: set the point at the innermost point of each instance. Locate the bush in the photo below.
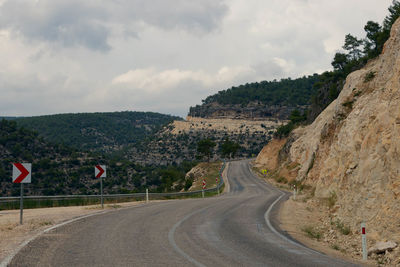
(311, 232)
(369, 77)
(284, 130)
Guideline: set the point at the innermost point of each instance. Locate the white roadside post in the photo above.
(364, 241)
(147, 195)
(294, 192)
(100, 172)
(22, 174)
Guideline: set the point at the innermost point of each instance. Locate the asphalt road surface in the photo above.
(230, 230)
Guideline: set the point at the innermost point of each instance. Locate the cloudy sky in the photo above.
(61, 56)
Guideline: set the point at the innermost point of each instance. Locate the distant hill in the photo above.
(104, 132)
(59, 169)
(266, 99)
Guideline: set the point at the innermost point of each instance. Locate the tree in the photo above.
(394, 14)
(352, 45)
(205, 147)
(229, 148)
(339, 61)
(372, 41)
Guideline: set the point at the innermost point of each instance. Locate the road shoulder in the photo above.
(36, 221)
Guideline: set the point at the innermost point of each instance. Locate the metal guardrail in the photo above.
(34, 201)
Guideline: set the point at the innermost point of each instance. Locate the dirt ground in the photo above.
(314, 228)
(12, 234)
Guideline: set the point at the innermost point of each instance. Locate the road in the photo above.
(230, 230)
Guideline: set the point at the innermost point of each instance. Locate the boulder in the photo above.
(382, 247)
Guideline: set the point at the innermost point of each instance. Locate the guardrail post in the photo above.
(101, 189)
(21, 204)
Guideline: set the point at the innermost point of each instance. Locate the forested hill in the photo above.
(97, 131)
(274, 99)
(58, 169)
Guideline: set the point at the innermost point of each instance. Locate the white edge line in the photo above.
(171, 239)
(267, 216)
(7, 260)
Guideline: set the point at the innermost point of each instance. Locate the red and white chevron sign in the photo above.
(204, 184)
(100, 171)
(22, 173)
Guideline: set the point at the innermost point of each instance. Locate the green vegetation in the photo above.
(357, 52)
(318, 91)
(60, 170)
(229, 148)
(206, 148)
(312, 232)
(284, 92)
(344, 229)
(369, 77)
(296, 118)
(97, 131)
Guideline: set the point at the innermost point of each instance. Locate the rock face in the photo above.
(251, 111)
(353, 147)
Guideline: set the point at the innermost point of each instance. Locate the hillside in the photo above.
(349, 155)
(58, 169)
(106, 132)
(259, 100)
(178, 141)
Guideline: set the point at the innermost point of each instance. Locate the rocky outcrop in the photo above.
(352, 149)
(251, 111)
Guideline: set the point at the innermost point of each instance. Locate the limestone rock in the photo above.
(353, 146)
(382, 247)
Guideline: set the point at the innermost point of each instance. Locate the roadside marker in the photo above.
(364, 241)
(294, 192)
(22, 175)
(100, 172)
(204, 187)
(216, 182)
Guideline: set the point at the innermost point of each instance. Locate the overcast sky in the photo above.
(62, 56)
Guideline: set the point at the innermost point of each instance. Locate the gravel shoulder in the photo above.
(37, 220)
(295, 216)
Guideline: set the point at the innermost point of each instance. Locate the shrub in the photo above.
(369, 77)
(311, 232)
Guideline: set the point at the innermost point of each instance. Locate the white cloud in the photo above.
(77, 56)
(153, 81)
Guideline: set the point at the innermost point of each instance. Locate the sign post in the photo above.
(204, 187)
(100, 172)
(22, 175)
(364, 241)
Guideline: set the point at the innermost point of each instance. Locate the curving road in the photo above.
(231, 230)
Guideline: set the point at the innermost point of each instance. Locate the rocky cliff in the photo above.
(251, 111)
(352, 149)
